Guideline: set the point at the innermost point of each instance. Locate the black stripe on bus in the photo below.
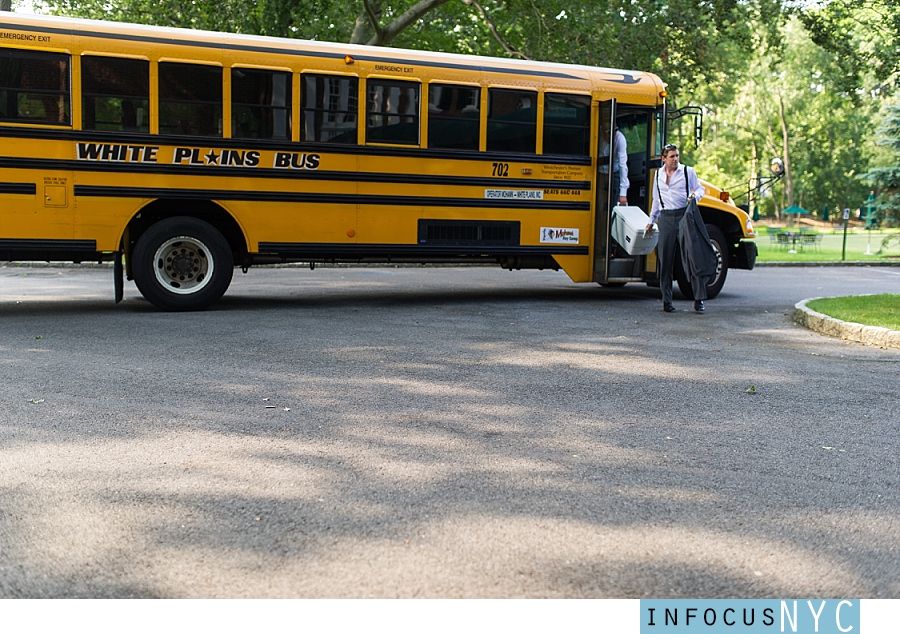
(409, 250)
(331, 199)
(627, 78)
(268, 172)
(48, 245)
(113, 138)
(18, 188)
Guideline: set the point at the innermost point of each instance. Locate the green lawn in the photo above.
(871, 310)
(861, 247)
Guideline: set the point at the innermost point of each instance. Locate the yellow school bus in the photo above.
(180, 155)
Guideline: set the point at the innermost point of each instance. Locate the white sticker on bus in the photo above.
(515, 194)
(559, 236)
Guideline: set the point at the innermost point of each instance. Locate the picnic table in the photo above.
(790, 239)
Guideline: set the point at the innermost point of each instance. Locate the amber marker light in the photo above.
(724, 196)
(351, 233)
(526, 170)
(663, 93)
(348, 59)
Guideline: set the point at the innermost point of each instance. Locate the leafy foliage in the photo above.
(887, 179)
(864, 35)
(794, 105)
(683, 40)
(310, 19)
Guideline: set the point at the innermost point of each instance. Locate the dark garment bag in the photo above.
(698, 256)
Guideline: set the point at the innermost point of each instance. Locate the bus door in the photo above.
(605, 196)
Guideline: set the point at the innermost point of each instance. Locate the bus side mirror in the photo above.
(777, 167)
(697, 112)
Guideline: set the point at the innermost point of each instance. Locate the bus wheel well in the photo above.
(728, 224)
(201, 209)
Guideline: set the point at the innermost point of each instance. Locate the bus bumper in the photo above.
(743, 256)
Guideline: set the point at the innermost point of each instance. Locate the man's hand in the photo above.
(623, 201)
(649, 228)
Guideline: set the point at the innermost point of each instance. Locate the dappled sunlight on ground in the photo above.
(527, 442)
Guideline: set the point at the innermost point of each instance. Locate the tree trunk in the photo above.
(754, 177)
(788, 177)
(368, 29)
(778, 202)
(364, 28)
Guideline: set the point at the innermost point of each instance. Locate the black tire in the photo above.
(182, 263)
(722, 256)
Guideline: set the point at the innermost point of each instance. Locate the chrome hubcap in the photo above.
(183, 265)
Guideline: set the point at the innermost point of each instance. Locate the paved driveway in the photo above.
(443, 432)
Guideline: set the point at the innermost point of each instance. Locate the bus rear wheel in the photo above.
(715, 286)
(182, 264)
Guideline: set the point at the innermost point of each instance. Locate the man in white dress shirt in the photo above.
(669, 203)
(620, 182)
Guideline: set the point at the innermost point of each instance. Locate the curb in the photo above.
(824, 264)
(847, 330)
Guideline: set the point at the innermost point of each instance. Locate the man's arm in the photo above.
(697, 190)
(622, 160)
(654, 206)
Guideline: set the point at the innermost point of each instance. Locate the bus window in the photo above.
(260, 104)
(512, 121)
(328, 109)
(190, 99)
(635, 127)
(115, 94)
(392, 111)
(453, 117)
(567, 124)
(34, 87)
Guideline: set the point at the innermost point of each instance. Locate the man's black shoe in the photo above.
(668, 308)
(699, 307)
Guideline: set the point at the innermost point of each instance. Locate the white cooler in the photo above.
(628, 224)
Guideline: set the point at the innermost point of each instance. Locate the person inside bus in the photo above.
(675, 186)
(620, 182)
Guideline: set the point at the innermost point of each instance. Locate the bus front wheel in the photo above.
(715, 286)
(182, 263)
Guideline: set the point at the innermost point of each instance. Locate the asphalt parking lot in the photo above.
(443, 432)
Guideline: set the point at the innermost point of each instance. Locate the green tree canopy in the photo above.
(685, 41)
(864, 35)
(792, 104)
(887, 179)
